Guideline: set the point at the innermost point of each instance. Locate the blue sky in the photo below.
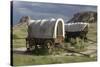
(37, 10)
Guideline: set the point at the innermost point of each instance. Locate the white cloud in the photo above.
(23, 10)
(90, 9)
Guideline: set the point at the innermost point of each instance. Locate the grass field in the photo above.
(35, 60)
(21, 59)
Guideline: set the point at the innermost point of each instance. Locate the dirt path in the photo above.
(91, 51)
(20, 49)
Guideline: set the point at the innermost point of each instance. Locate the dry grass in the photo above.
(20, 59)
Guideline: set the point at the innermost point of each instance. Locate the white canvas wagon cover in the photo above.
(45, 28)
(74, 27)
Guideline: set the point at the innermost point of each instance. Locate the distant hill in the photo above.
(20, 30)
(90, 17)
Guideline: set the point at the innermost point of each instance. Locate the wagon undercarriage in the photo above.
(42, 45)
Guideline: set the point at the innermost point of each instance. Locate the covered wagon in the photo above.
(45, 33)
(78, 29)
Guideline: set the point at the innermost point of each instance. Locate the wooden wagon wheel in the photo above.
(30, 45)
(48, 45)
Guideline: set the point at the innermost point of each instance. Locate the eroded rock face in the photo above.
(24, 19)
(90, 17)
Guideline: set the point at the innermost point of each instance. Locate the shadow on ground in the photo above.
(22, 52)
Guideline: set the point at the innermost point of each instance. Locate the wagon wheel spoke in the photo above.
(49, 46)
(30, 45)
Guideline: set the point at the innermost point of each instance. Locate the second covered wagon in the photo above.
(77, 29)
